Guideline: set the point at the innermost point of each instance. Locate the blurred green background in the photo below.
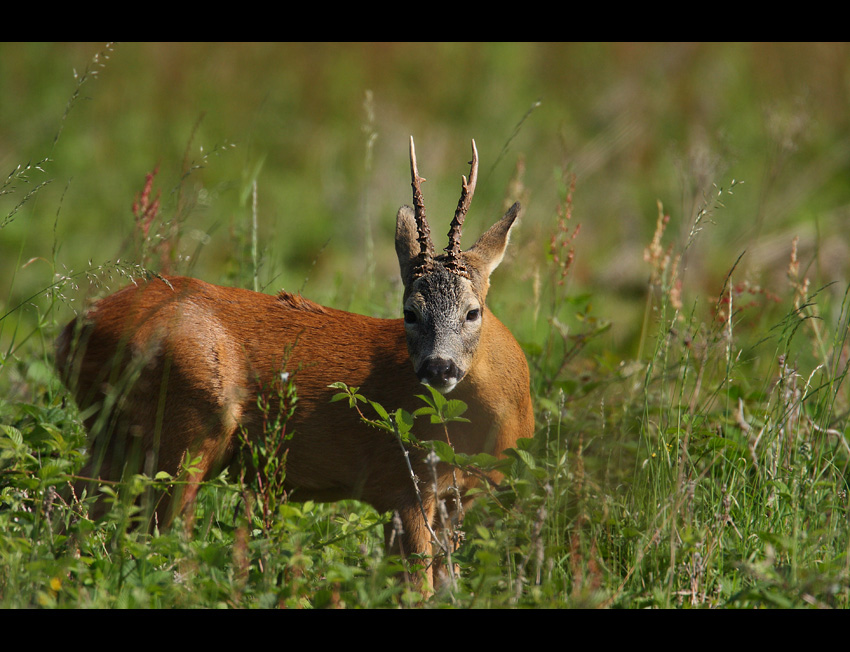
(323, 131)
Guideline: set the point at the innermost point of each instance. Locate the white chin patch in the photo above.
(443, 388)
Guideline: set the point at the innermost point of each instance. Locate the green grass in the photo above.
(679, 284)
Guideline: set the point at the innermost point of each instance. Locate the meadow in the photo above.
(678, 282)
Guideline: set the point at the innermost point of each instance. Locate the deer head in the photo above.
(444, 296)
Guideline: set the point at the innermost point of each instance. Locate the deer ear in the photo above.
(406, 244)
(489, 249)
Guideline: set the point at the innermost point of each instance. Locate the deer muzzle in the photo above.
(439, 373)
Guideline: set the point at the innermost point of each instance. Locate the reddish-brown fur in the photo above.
(173, 367)
(216, 348)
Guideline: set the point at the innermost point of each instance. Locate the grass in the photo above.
(685, 315)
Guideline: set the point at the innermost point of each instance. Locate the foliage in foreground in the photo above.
(710, 471)
(714, 473)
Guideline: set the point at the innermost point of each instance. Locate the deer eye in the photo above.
(472, 315)
(409, 317)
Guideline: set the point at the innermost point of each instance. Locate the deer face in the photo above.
(442, 321)
(444, 295)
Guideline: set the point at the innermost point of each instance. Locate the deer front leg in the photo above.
(409, 534)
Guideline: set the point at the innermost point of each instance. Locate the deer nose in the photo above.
(440, 373)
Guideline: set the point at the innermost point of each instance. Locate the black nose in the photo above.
(438, 372)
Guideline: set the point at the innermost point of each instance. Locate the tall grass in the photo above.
(705, 467)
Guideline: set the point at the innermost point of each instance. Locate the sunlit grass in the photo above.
(691, 405)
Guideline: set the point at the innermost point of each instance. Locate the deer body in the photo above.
(176, 365)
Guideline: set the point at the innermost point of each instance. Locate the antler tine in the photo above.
(426, 247)
(467, 192)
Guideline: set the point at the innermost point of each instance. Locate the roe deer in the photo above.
(174, 366)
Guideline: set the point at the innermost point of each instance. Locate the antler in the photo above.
(453, 261)
(426, 247)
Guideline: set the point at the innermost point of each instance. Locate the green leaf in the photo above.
(487, 461)
(404, 424)
(437, 400)
(445, 452)
(524, 456)
(404, 418)
(12, 433)
(525, 443)
(454, 408)
(380, 410)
